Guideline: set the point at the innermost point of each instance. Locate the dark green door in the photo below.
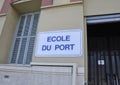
(104, 60)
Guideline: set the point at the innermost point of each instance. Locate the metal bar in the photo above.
(21, 40)
(28, 39)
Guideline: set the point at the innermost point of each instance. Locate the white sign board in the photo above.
(66, 43)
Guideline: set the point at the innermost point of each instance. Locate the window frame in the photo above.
(21, 37)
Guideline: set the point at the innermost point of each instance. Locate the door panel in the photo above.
(104, 60)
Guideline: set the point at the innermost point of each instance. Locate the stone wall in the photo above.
(38, 75)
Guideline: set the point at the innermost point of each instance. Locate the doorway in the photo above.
(103, 53)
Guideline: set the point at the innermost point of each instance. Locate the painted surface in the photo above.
(2, 22)
(27, 6)
(100, 7)
(33, 76)
(51, 19)
(8, 24)
(61, 18)
(47, 2)
(61, 43)
(6, 37)
(38, 75)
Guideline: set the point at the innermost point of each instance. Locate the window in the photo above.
(23, 43)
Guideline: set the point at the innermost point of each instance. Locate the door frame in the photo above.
(98, 19)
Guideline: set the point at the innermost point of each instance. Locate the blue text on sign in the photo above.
(58, 38)
(58, 47)
(64, 47)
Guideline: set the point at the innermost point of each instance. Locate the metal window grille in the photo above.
(22, 48)
(104, 61)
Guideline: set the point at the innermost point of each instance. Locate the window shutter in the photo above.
(23, 44)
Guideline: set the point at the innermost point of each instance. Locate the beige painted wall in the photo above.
(27, 6)
(7, 35)
(2, 18)
(85, 52)
(61, 18)
(2, 21)
(97, 7)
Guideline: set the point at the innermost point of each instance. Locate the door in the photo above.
(104, 60)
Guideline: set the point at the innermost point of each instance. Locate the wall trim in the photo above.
(71, 3)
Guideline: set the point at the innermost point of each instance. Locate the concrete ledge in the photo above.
(51, 69)
(14, 68)
(3, 14)
(69, 70)
(36, 68)
(26, 6)
(42, 67)
(21, 1)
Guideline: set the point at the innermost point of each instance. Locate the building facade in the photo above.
(59, 42)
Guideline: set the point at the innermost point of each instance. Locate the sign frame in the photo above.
(60, 55)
